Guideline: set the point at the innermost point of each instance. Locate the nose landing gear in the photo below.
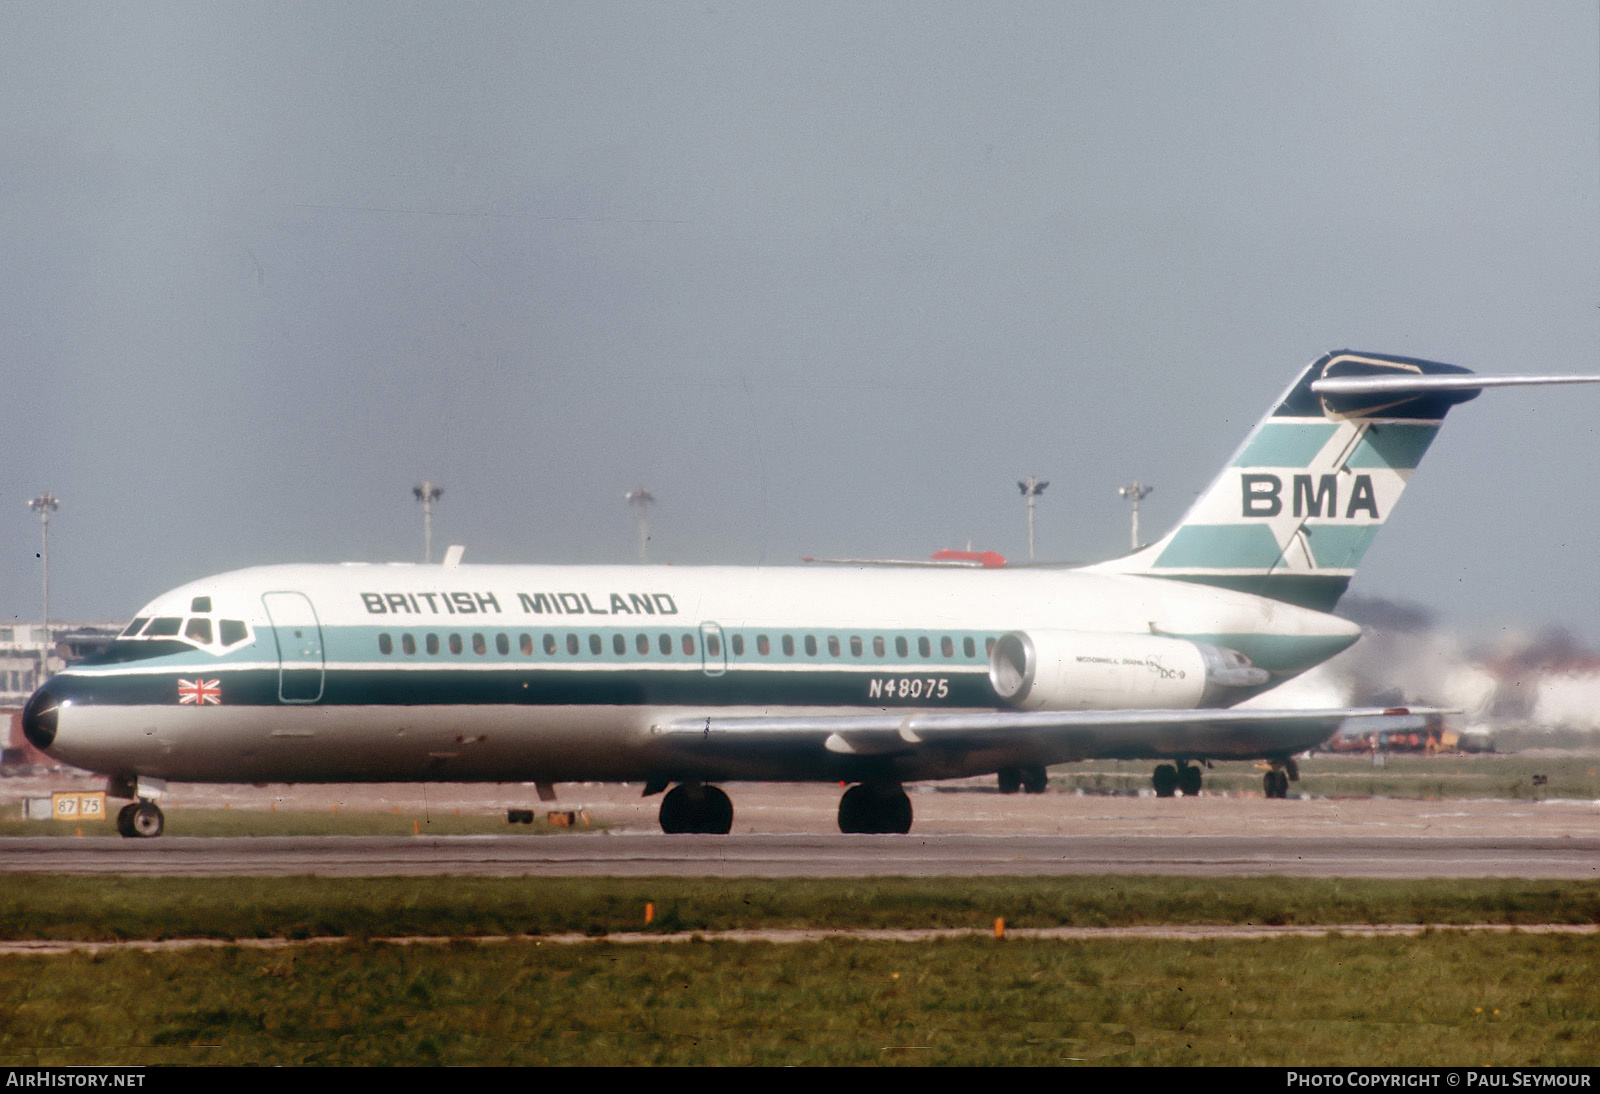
(141, 820)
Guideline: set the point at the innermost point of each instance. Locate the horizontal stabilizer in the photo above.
(1389, 385)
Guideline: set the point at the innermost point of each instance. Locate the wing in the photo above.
(1055, 736)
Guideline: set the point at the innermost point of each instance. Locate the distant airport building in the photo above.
(19, 653)
(19, 671)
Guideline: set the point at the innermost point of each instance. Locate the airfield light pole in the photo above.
(427, 493)
(641, 500)
(44, 505)
(1135, 491)
(1031, 488)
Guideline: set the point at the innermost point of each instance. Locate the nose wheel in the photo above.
(141, 820)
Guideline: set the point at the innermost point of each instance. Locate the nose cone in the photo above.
(39, 719)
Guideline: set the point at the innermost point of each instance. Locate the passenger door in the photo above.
(299, 634)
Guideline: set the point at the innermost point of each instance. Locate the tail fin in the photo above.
(1298, 505)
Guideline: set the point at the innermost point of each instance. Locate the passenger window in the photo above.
(833, 645)
(788, 645)
(923, 647)
(502, 643)
(738, 645)
(572, 643)
(642, 643)
(763, 647)
(855, 645)
(666, 645)
(385, 644)
(688, 645)
(232, 631)
(525, 644)
(877, 645)
(594, 644)
(199, 630)
(900, 647)
(811, 645)
(550, 645)
(968, 648)
(433, 643)
(407, 643)
(713, 645)
(455, 643)
(479, 646)
(947, 646)
(619, 645)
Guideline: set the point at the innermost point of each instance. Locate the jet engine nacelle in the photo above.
(1083, 670)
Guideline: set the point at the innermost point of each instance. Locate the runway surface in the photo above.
(802, 855)
(790, 831)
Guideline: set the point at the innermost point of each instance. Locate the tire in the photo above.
(125, 821)
(700, 810)
(146, 820)
(1165, 780)
(870, 810)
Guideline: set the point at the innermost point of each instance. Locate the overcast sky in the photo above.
(826, 278)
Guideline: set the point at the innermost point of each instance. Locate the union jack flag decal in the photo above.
(200, 692)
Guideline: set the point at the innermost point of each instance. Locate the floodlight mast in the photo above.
(1031, 488)
(427, 493)
(44, 505)
(641, 500)
(1134, 492)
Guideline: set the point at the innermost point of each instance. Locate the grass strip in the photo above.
(59, 907)
(1441, 999)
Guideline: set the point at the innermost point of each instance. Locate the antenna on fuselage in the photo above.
(427, 493)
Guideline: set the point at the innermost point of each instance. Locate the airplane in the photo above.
(869, 676)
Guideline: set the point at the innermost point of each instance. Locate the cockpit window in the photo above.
(199, 630)
(232, 631)
(164, 627)
(135, 627)
(200, 604)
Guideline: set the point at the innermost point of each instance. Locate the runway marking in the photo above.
(56, 947)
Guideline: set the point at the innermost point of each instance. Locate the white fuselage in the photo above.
(404, 672)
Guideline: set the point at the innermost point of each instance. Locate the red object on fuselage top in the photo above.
(989, 560)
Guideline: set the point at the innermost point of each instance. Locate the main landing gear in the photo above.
(1169, 780)
(1032, 779)
(697, 808)
(877, 808)
(1275, 783)
(141, 820)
